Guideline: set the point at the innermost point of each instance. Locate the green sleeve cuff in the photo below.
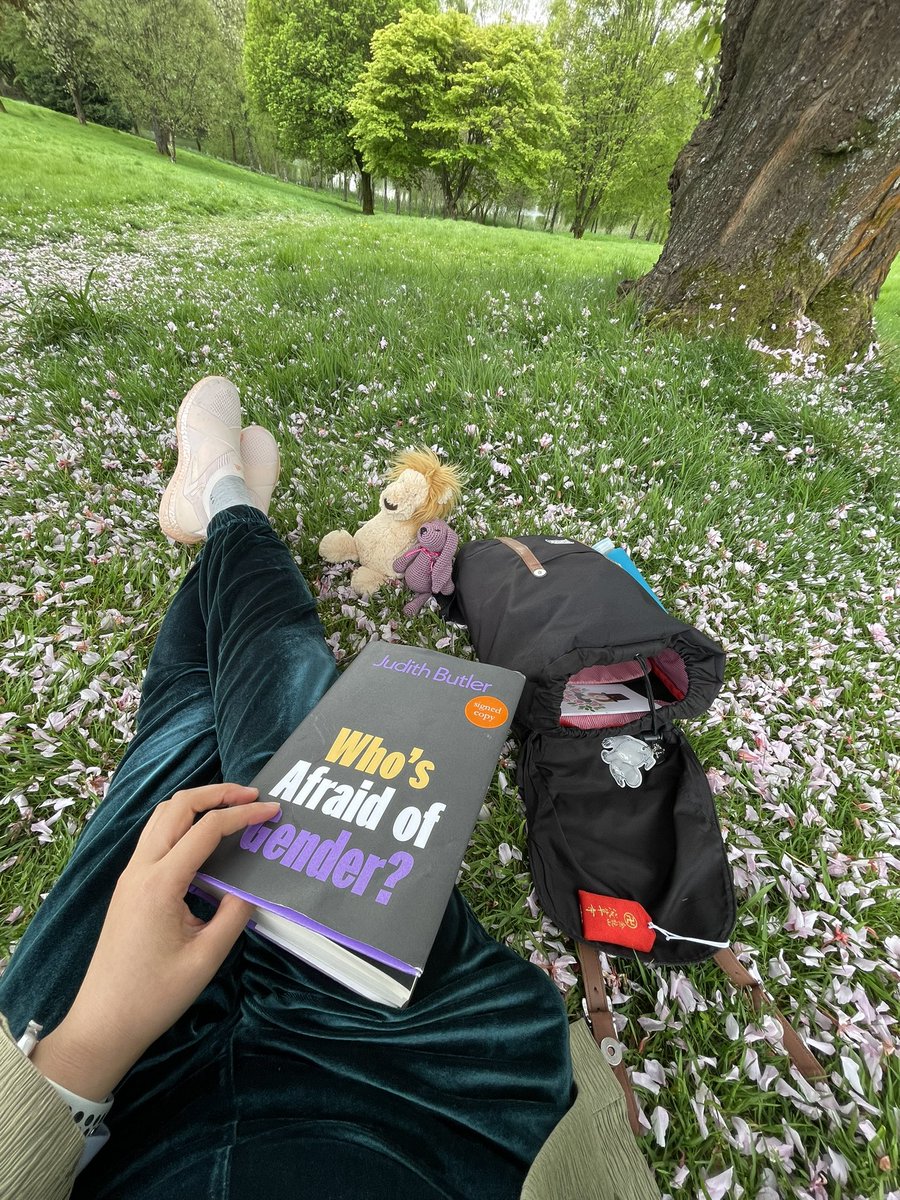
(40, 1146)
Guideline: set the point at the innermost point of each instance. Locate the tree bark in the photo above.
(160, 136)
(75, 93)
(366, 194)
(786, 201)
(449, 201)
(2, 105)
(252, 154)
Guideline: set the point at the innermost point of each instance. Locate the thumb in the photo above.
(223, 930)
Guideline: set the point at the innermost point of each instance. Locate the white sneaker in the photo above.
(262, 464)
(208, 430)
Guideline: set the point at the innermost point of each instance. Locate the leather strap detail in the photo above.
(800, 1054)
(531, 562)
(601, 1023)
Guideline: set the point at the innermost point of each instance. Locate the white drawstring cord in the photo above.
(678, 937)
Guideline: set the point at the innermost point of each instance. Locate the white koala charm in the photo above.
(626, 756)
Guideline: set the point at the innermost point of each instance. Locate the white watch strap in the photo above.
(87, 1114)
(30, 1038)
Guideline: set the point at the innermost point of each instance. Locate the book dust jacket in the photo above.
(380, 788)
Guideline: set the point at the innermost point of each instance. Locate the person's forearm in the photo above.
(80, 1061)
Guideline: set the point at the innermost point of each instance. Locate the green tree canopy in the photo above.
(168, 62)
(66, 32)
(617, 58)
(481, 107)
(639, 188)
(302, 59)
(26, 67)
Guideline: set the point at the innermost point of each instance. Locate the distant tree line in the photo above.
(573, 124)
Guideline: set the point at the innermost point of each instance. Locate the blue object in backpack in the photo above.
(615, 554)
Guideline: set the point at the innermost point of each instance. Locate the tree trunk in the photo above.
(554, 214)
(632, 233)
(160, 136)
(449, 203)
(197, 142)
(650, 232)
(2, 105)
(75, 93)
(786, 201)
(234, 157)
(366, 194)
(577, 229)
(252, 154)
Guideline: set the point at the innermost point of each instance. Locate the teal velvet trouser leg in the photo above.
(278, 1082)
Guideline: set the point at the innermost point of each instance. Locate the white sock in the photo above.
(228, 492)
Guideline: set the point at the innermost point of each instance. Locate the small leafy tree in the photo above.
(638, 190)
(302, 59)
(167, 61)
(65, 32)
(26, 69)
(481, 107)
(616, 55)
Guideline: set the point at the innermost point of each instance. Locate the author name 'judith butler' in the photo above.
(439, 675)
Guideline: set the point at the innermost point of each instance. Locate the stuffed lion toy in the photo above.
(421, 488)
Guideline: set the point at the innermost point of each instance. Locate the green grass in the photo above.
(765, 514)
(110, 180)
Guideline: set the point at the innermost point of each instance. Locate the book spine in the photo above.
(616, 554)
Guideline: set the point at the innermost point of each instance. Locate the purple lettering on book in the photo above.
(329, 861)
(441, 674)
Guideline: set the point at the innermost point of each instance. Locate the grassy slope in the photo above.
(763, 514)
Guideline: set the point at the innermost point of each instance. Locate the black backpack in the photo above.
(624, 842)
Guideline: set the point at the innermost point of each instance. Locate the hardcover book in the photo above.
(380, 788)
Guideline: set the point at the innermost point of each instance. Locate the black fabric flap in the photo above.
(658, 844)
(585, 611)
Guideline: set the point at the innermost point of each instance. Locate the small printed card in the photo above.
(593, 699)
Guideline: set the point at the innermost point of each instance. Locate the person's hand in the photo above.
(153, 957)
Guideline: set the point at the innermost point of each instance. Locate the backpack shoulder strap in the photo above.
(800, 1054)
(601, 1024)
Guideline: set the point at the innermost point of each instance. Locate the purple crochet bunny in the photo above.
(427, 568)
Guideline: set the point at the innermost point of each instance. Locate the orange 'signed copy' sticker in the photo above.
(487, 712)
